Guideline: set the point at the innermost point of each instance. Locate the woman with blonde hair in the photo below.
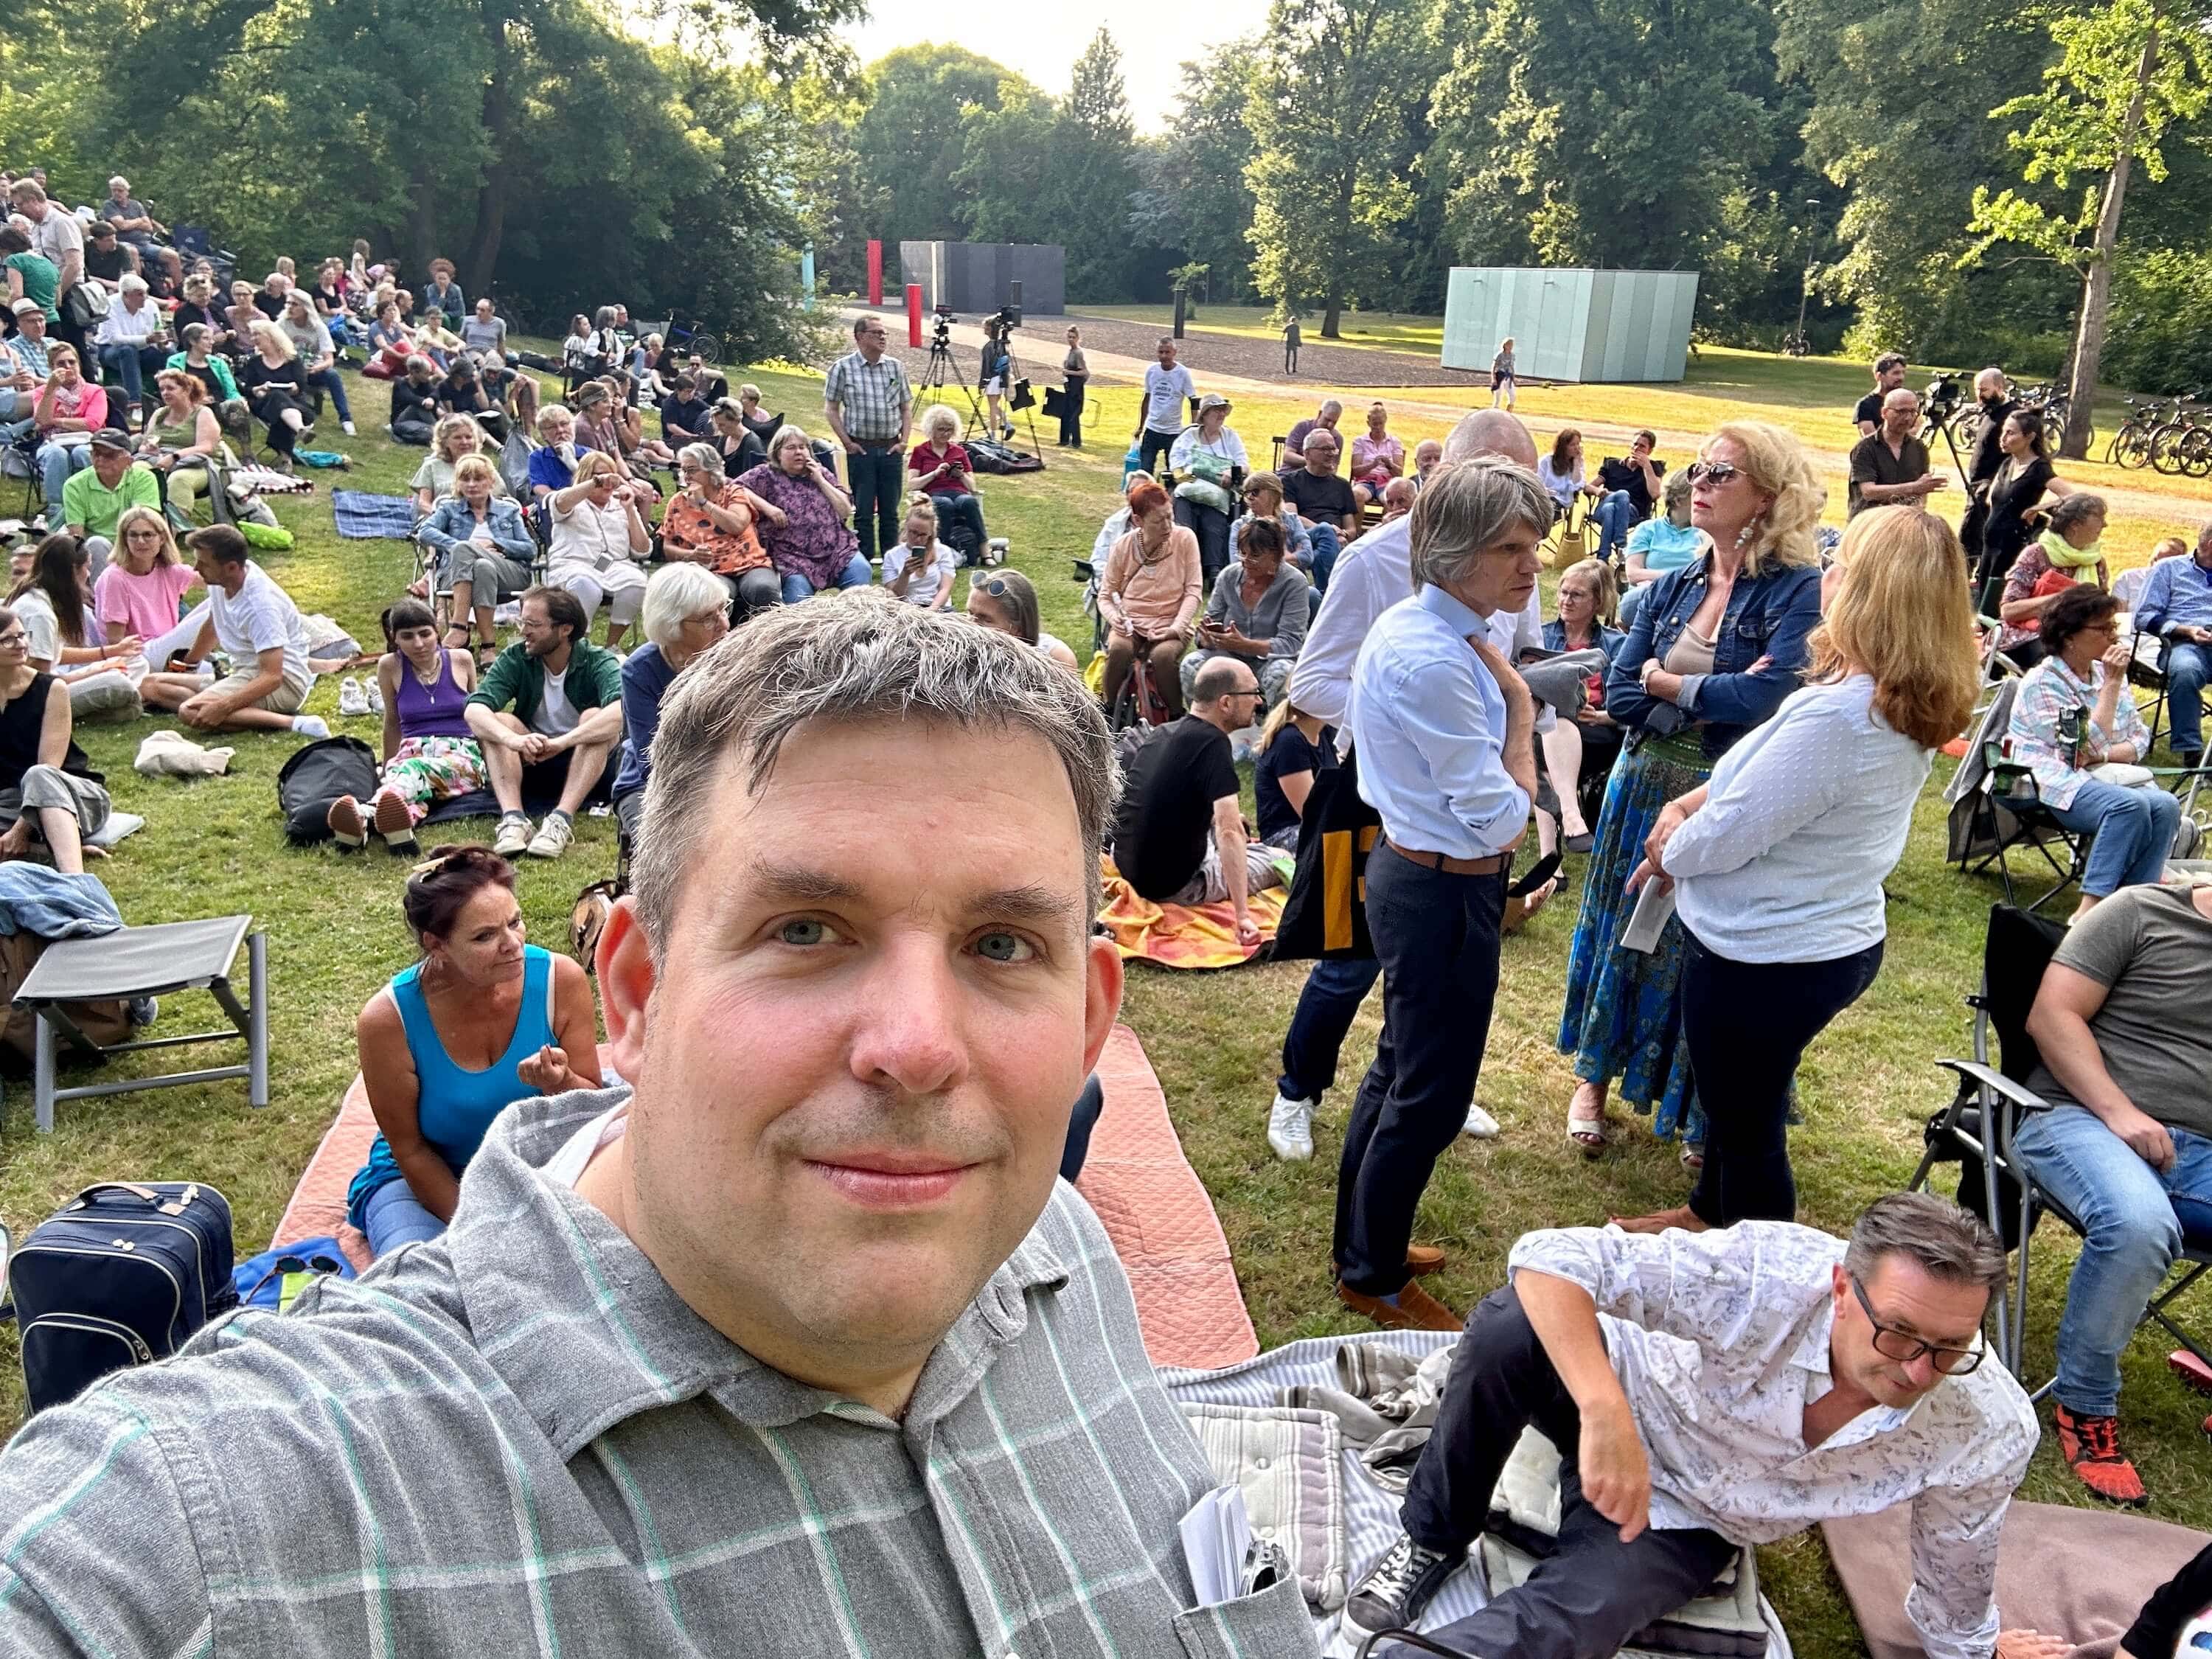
(276, 389)
(939, 468)
(452, 438)
(137, 596)
(1777, 862)
(1716, 647)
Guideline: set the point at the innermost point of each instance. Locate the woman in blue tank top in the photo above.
(481, 1021)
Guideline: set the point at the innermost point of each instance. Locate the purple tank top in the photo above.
(431, 711)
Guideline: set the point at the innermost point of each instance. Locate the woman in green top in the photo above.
(30, 276)
(181, 438)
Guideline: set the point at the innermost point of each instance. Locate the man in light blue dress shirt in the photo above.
(1443, 729)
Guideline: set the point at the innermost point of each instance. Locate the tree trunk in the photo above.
(1333, 301)
(421, 227)
(492, 193)
(2097, 285)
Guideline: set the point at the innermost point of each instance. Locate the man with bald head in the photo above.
(1372, 575)
(1889, 467)
(1993, 394)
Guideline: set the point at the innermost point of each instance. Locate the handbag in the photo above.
(1325, 919)
(1055, 402)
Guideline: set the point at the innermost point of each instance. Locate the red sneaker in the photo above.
(2091, 1447)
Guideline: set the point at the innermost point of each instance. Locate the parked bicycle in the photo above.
(682, 338)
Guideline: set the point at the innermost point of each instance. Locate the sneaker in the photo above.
(513, 835)
(389, 814)
(1398, 1589)
(1479, 1124)
(552, 838)
(311, 725)
(352, 700)
(347, 824)
(375, 693)
(1290, 1129)
(2091, 1447)
(346, 426)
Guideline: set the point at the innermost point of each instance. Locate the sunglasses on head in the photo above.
(994, 585)
(1718, 472)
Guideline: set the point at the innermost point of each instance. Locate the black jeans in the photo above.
(1156, 444)
(1212, 529)
(1743, 1061)
(752, 591)
(1436, 936)
(1071, 414)
(877, 475)
(1593, 1592)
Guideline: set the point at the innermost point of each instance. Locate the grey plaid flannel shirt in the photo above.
(871, 397)
(517, 1439)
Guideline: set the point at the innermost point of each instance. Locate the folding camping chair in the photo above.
(1992, 1101)
(2007, 809)
(148, 962)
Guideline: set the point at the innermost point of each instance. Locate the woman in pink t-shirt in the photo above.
(137, 593)
(1376, 457)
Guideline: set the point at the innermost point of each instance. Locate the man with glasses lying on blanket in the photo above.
(1709, 1391)
(799, 1348)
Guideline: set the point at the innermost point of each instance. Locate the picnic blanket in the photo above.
(1152, 1203)
(2080, 1574)
(1183, 935)
(364, 517)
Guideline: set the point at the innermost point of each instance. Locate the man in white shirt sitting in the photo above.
(1710, 1391)
(255, 624)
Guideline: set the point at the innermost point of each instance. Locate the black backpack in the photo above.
(316, 775)
(122, 1274)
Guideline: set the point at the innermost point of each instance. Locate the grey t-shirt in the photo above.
(2151, 948)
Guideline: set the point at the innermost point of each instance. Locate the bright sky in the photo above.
(1042, 40)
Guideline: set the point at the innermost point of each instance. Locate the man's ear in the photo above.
(1102, 998)
(627, 977)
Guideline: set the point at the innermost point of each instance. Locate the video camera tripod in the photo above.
(942, 370)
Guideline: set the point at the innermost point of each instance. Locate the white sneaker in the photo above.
(375, 693)
(552, 838)
(311, 725)
(1290, 1129)
(347, 427)
(352, 700)
(513, 835)
(1479, 1124)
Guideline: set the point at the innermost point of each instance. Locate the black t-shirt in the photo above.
(1167, 805)
(208, 317)
(271, 306)
(1616, 474)
(693, 418)
(748, 452)
(204, 374)
(463, 397)
(260, 376)
(1869, 408)
(1287, 754)
(107, 266)
(22, 722)
(1318, 500)
(1988, 453)
(1873, 462)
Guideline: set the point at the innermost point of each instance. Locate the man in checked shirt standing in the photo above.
(870, 408)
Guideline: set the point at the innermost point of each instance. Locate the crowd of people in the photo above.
(696, 1296)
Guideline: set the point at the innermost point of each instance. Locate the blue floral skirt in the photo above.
(1624, 1015)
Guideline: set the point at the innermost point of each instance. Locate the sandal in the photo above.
(1659, 1221)
(1693, 1157)
(1588, 1135)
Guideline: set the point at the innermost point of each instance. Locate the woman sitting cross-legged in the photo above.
(2071, 718)
(49, 793)
(53, 603)
(429, 753)
(481, 1020)
(1592, 738)
(687, 612)
(483, 550)
(415, 401)
(599, 544)
(813, 547)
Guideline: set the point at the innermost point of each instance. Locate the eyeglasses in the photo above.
(995, 587)
(1254, 692)
(1903, 1347)
(1718, 471)
(15, 636)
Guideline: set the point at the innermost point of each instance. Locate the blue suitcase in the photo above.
(121, 1275)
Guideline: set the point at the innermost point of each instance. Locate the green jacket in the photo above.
(216, 366)
(517, 680)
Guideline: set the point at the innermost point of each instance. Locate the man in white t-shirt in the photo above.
(253, 622)
(1169, 390)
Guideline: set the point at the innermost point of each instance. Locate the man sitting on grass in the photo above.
(1711, 1391)
(548, 713)
(254, 623)
(799, 1346)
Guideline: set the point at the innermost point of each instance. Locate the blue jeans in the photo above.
(2134, 830)
(855, 573)
(328, 380)
(877, 475)
(962, 509)
(1326, 1006)
(394, 1216)
(55, 463)
(131, 364)
(2134, 1220)
(1325, 547)
(2187, 667)
(1616, 517)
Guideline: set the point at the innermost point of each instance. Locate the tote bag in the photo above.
(1326, 917)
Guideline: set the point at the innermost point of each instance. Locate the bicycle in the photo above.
(1795, 345)
(2130, 445)
(682, 338)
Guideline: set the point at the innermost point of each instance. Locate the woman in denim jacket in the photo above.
(483, 550)
(1715, 648)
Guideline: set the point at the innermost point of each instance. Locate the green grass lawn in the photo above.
(217, 846)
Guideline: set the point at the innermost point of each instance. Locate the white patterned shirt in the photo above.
(1721, 1340)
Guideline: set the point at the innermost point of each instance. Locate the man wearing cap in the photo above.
(94, 499)
(23, 369)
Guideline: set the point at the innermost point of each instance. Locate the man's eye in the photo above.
(804, 931)
(1002, 946)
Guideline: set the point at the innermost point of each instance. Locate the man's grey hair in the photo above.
(1468, 509)
(851, 657)
(677, 593)
(1494, 432)
(131, 283)
(118, 180)
(1950, 1244)
(1328, 404)
(2069, 510)
(705, 456)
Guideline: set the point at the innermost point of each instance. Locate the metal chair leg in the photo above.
(42, 1085)
(256, 1017)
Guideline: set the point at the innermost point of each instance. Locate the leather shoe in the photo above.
(1415, 1310)
(1423, 1259)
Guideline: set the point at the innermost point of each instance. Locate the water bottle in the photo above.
(1134, 461)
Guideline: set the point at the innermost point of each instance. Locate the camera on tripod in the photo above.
(1941, 401)
(1005, 320)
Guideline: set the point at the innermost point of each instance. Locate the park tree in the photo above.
(1193, 195)
(913, 139)
(1339, 86)
(1091, 174)
(1006, 162)
(2127, 73)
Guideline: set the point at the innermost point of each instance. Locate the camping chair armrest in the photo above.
(1997, 1083)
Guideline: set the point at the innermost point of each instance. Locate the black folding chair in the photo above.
(2009, 811)
(1977, 1129)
